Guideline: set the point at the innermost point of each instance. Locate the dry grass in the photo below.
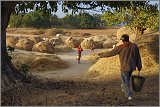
(68, 32)
(29, 31)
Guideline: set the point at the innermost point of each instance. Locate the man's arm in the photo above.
(113, 52)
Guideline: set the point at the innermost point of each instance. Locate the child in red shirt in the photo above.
(79, 50)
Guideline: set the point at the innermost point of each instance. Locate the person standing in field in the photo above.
(129, 59)
(79, 51)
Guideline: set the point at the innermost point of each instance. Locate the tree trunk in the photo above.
(9, 73)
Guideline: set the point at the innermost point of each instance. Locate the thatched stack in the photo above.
(99, 38)
(25, 44)
(57, 40)
(35, 39)
(109, 43)
(71, 42)
(87, 43)
(43, 63)
(12, 41)
(45, 47)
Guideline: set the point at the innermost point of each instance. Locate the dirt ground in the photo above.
(67, 87)
(83, 93)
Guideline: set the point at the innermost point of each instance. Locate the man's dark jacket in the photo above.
(128, 54)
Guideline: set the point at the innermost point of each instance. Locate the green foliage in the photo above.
(24, 68)
(15, 20)
(82, 21)
(137, 18)
(36, 19)
(87, 21)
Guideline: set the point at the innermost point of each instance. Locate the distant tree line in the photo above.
(137, 18)
(38, 19)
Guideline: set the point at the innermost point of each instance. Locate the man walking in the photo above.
(129, 59)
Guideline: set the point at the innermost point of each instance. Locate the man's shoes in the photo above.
(129, 98)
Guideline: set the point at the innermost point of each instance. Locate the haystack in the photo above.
(109, 43)
(126, 30)
(57, 40)
(39, 62)
(87, 43)
(71, 42)
(25, 44)
(63, 49)
(45, 47)
(98, 44)
(47, 63)
(99, 38)
(35, 39)
(12, 41)
(105, 67)
(53, 31)
(79, 39)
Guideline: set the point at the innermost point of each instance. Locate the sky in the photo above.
(60, 14)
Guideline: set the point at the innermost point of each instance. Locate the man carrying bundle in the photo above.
(129, 59)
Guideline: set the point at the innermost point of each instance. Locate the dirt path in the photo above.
(74, 71)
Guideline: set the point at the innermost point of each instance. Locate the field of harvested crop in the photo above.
(94, 82)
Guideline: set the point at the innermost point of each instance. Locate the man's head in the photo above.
(125, 38)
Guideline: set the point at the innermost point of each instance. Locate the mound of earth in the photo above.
(44, 46)
(25, 44)
(149, 55)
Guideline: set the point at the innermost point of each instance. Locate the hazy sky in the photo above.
(60, 14)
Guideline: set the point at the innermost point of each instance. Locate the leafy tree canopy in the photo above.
(137, 18)
(52, 6)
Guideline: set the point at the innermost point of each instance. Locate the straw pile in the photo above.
(25, 44)
(35, 39)
(38, 63)
(87, 43)
(12, 41)
(148, 45)
(44, 46)
(71, 42)
(57, 40)
(42, 63)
